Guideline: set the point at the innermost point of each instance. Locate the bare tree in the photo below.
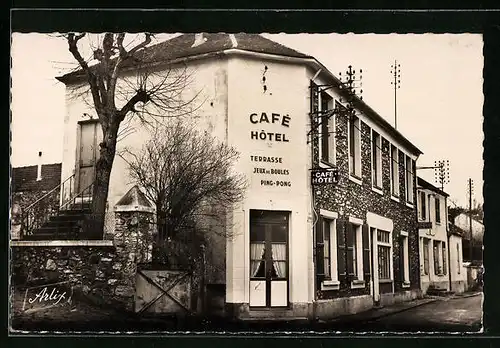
(116, 95)
(189, 177)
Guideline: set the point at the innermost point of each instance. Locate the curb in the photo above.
(467, 296)
(400, 310)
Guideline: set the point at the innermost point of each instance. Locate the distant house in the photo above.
(463, 221)
(30, 184)
(458, 273)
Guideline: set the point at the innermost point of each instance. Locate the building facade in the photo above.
(297, 249)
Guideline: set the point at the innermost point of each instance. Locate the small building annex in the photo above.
(301, 247)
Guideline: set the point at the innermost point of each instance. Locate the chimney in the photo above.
(39, 169)
(198, 40)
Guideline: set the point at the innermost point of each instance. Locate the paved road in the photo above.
(446, 315)
(443, 315)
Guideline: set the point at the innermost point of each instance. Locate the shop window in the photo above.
(384, 254)
(394, 171)
(376, 160)
(354, 146)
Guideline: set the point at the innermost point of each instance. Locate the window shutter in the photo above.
(366, 252)
(401, 259)
(341, 250)
(350, 250)
(320, 268)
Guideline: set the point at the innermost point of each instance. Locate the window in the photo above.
(354, 146)
(352, 262)
(376, 160)
(409, 179)
(327, 130)
(423, 208)
(436, 255)
(394, 171)
(327, 263)
(444, 258)
(404, 259)
(426, 256)
(438, 209)
(384, 254)
(326, 243)
(458, 259)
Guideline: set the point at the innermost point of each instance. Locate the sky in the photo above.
(439, 102)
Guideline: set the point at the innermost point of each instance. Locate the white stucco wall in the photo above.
(207, 83)
(438, 232)
(287, 87)
(457, 271)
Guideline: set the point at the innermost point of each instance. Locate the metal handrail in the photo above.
(89, 188)
(33, 218)
(48, 193)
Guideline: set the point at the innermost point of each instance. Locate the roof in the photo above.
(424, 184)
(24, 178)
(134, 198)
(457, 231)
(185, 46)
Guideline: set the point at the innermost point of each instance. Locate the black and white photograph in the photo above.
(243, 182)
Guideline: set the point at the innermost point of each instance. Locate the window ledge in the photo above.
(394, 198)
(324, 164)
(377, 190)
(357, 284)
(330, 285)
(410, 205)
(406, 284)
(385, 281)
(355, 179)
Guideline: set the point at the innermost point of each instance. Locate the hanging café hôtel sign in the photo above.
(324, 176)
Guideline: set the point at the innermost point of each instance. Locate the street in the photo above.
(452, 314)
(444, 315)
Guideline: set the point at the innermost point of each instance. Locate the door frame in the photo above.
(77, 187)
(268, 259)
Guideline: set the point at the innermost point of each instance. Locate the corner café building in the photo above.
(297, 249)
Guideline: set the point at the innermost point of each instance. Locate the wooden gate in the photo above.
(165, 292)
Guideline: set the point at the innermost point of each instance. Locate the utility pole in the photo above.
(396, 71)
(471, 189)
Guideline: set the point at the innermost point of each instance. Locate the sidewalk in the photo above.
(376, 313)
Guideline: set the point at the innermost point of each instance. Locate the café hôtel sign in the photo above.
(323, 176)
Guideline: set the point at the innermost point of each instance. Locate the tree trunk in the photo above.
(103, 174)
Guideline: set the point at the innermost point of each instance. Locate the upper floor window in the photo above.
(423, 208)
(354, 146)
(394, 171)
(376, 160)
(327, 129)
(438, 209)
(409, 175)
